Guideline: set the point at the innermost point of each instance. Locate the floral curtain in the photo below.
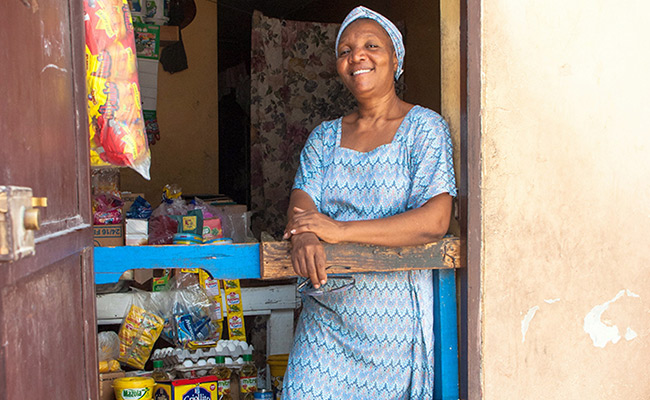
(294, 87)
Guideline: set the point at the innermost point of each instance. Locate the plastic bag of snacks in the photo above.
(139, 332)
(194, 317)
(117, 130)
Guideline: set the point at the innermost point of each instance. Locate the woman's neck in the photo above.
(386, 107)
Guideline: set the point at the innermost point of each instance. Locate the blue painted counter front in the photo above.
(226, 261)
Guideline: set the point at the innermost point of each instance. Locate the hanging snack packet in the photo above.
(234, 310)
(116, 123)
(212, 288)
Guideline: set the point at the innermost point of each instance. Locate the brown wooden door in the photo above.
(47, 305)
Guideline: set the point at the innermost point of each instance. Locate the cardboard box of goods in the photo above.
(108, 235)
(194, 388)
(106, 391)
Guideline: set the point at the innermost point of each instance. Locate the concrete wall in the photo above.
(187, 153)
(566, 199)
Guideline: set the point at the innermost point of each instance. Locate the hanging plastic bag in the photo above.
(234, 224)
(140, 330)
(194, 317)
(108, 349)
(116, 123)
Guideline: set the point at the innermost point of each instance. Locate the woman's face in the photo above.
(366, 61)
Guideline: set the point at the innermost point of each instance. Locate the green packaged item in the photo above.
(147, 40)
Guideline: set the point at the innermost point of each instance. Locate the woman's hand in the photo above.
(303, 221)
(308, 258)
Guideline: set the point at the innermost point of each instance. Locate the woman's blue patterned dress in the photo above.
(375, 340)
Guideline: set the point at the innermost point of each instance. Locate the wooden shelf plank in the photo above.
(276, 260)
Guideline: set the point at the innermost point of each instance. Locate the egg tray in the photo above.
(189, 372)
(174, 358)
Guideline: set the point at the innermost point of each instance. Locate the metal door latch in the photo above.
(19, 218)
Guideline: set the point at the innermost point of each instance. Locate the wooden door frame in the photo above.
(470, 201)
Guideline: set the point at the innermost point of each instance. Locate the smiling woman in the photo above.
(382, 175)
(366, 60)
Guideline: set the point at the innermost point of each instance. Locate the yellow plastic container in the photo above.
(278, 365)
(135, 388)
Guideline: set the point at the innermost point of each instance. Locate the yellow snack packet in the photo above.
(138, 334)
(234, 310)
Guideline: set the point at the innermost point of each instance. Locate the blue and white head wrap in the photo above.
(389, 27)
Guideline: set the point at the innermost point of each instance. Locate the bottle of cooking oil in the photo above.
(159, 375)
(248, 378)
(223, 378)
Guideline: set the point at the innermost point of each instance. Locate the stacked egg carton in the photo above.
(189, 363)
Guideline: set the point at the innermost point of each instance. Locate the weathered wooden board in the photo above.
(275, 258)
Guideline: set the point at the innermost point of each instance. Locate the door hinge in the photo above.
(19, 218)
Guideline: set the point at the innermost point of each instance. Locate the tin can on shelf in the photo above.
(263, 394)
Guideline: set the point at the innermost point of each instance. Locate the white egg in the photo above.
(202, 363)
(188, 363)
(228, 360)
(240, 360)
(212, 361)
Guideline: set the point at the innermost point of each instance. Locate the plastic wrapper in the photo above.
(108, 346)
(172, 191)
(140, 209)
(109, 366)
(116, 123)
(235, 225)
(140, 330)
(193, 318)
(173, 216)
(107, 209)
(108, 350)
(105, 181)
(162, 229)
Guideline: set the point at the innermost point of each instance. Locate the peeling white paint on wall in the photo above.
(551, 301)
(630, 334)
(525, 323)
(601, 333)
